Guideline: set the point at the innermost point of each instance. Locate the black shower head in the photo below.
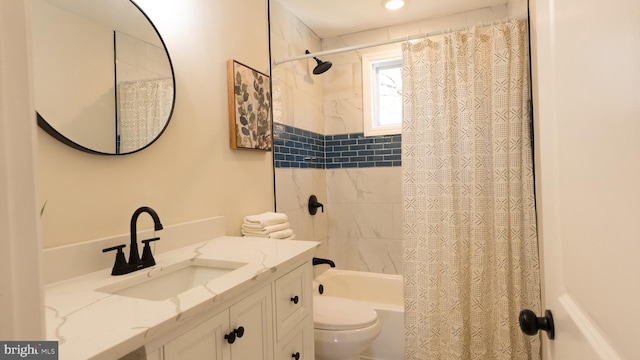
(322, 65)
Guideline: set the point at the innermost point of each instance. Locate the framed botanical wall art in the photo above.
(249, 108)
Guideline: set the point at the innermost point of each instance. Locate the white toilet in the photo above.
(343, 328)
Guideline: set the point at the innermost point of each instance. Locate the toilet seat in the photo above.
(333, 313)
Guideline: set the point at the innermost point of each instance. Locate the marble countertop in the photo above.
(89, 324)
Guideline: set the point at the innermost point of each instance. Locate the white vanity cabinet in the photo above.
(206, 341)
(276, 324)
(294, 325)
(252, 314)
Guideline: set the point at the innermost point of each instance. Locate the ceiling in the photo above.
(330, 18)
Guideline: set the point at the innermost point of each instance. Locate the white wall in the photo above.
(190, 172)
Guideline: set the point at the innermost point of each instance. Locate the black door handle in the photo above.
(530, 323)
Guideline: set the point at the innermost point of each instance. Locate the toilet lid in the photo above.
(333, 313)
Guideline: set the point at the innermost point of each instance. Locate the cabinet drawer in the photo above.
(298, 342)
(293, 298)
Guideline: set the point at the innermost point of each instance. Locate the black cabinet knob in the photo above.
(230, 337)
(240, 331)
(295, 299)
(236, 333)
(296, 356)
(530, 323)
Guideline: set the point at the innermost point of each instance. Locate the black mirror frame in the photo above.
(44, 125)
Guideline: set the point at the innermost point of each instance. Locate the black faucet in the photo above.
(121, 266)
(134, 256)
(320, 261)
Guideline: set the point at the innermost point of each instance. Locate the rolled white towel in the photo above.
(266, 219)
(264, 230)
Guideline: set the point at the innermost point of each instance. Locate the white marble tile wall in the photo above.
(365, 218)
(298, 101)
(138, 59)
(293, 188)
(297, 93)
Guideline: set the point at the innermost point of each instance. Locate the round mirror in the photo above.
(103, 79)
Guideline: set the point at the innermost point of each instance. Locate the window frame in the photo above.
(369, 93)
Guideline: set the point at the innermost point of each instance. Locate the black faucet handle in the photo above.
(120, 266)
(147, 256)
(119, 248)
(146, 242)
(314, 205)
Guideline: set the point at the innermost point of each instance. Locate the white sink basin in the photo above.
(169, 281)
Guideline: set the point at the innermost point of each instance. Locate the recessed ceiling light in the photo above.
(394, 4)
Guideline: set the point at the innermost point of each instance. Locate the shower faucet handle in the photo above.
(314, 205)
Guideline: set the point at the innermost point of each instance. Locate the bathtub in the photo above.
(383, 292)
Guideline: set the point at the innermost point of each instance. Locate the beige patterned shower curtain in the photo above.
(143, 109)
(470, 241)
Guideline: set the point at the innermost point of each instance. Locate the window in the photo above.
(382, 93)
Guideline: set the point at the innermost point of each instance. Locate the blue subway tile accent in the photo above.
(383, 163)
(382, 139)
(383, 152)
(304, 149)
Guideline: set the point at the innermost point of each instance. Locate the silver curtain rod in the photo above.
(383, 42)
